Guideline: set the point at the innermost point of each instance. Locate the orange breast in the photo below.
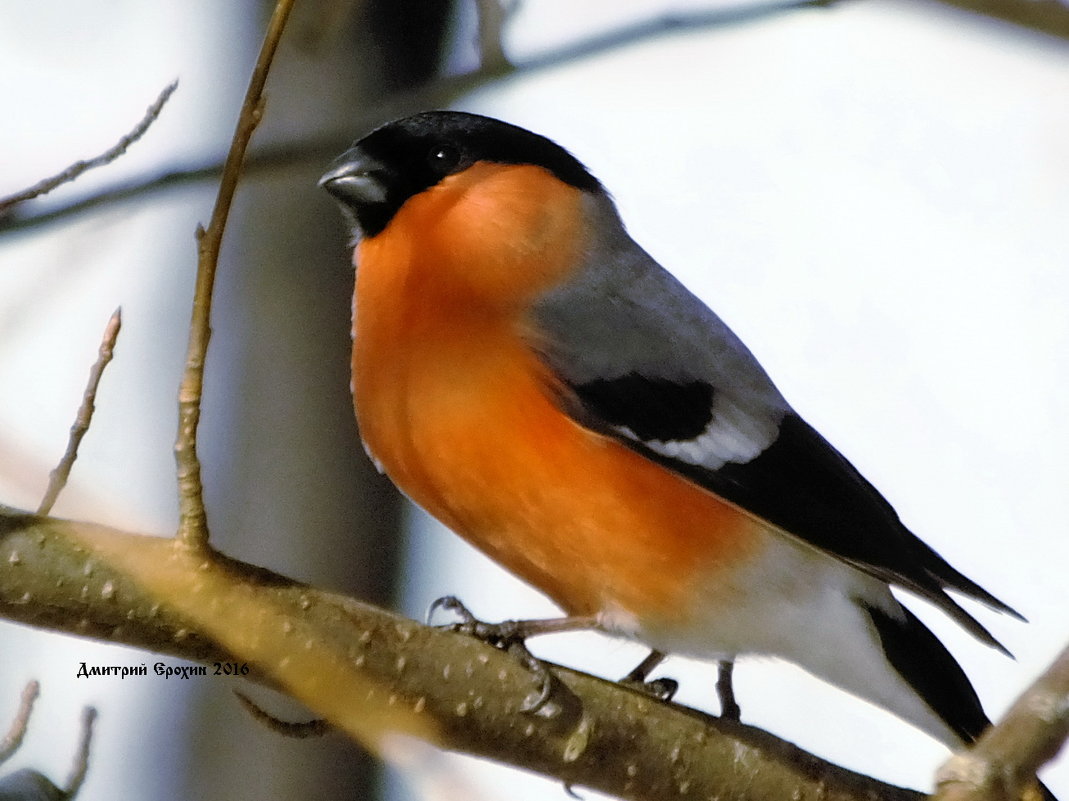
(461, 413)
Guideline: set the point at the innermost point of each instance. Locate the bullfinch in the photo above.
(529, 375)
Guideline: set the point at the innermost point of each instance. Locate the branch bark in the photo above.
(373, 673)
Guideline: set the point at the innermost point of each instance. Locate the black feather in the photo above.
(415, 153)
(805, 487)
(926, 665)
(652, 408)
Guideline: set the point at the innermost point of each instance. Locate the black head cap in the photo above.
(376, 176)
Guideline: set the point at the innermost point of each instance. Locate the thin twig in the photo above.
(13, 739)
(57, 479)
(81, 759)
(108, 156)
(436, 94)
(193, 524)
(299, 730)
(1047, 16)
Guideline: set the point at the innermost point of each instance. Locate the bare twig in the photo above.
(108, 156)
(13, 739)
(193, 524)
(1005, 759)
(81, 759)
(1047, 16)
(57, 479)
(436, 94)
(316, 727)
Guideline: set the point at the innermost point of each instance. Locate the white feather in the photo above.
(730, 436)
(792, 602)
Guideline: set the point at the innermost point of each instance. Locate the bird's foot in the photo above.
(508, 636)
(663, 689)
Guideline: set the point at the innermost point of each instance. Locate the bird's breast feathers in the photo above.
(509, 334)
(463, 412)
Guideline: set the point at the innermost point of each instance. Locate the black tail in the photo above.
(927, 666)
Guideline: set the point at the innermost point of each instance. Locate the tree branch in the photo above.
(13, 739)
(192, 519)
(108, 156)
(372, 673)
(1005, 759)
(57, 480)
(1046, 16)
(492, 18)
(436, 94)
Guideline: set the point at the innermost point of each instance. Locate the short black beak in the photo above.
(357, 179)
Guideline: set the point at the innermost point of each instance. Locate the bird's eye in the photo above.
(443, 158)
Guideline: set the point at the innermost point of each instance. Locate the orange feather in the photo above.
(463, 415)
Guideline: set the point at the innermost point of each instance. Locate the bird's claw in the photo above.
(501, 635)
(663, 689)
(507, 636)
(450, 603)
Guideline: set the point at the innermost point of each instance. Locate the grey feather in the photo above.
(624, 313)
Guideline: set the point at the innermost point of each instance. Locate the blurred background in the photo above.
(873, 193)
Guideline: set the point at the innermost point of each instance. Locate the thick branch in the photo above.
(456, 692)
(1046, 16)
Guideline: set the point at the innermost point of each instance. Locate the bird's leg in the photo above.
(729, 709)
(509, 636)
(663, 688)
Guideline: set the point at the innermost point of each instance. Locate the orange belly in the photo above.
(469, 431)
(461, 413)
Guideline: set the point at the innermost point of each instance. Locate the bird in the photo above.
(529, 375)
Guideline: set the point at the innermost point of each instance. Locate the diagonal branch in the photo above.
(1007, 756)
(364, 664)
(79, 167)
(437, 94)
